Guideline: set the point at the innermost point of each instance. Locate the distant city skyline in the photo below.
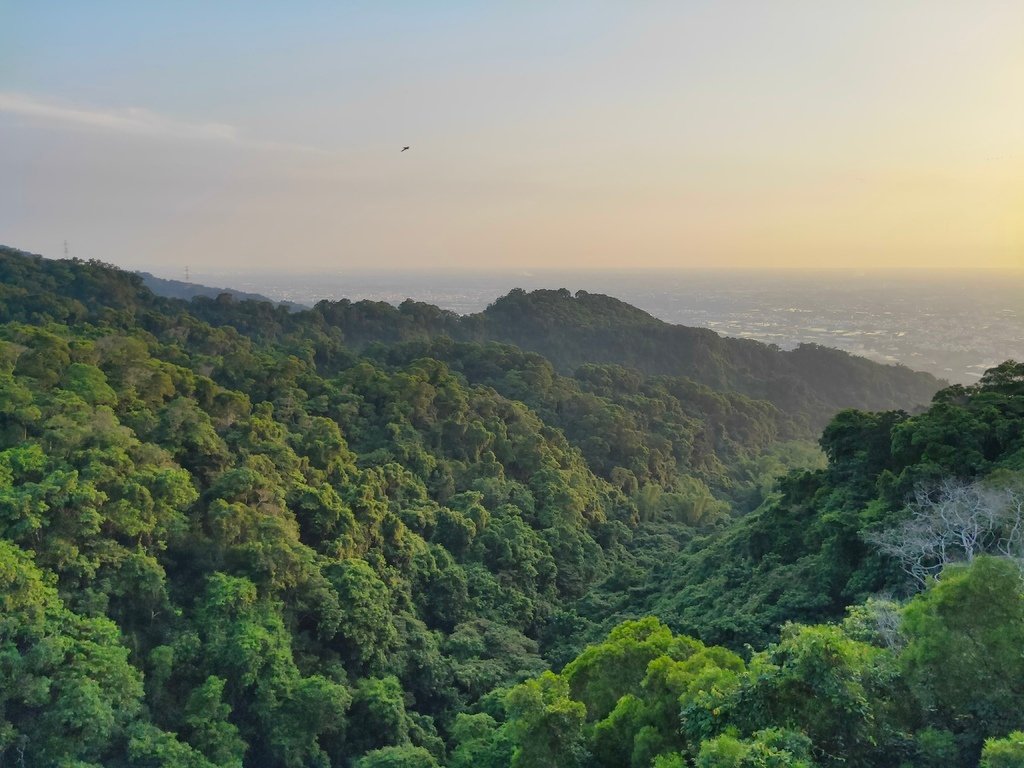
(237, 136)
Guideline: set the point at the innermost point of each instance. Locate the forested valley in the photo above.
(559, 533)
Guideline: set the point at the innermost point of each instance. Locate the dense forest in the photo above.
(809, 383)
(557, 533)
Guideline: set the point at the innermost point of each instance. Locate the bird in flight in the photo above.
(403, 150)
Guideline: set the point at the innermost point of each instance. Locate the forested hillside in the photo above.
(364, 536)
(809, 383)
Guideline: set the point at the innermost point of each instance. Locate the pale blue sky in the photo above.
(251, 135)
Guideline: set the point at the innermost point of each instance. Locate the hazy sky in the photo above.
(261, 136)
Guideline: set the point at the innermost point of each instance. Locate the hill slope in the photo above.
(229, 535)
(810, 383)
(179, 289)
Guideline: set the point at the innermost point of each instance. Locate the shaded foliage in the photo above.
(359, 535)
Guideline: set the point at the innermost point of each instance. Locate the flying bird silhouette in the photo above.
(403, 150)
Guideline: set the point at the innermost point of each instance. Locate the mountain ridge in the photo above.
(186, 291)
(572, 330)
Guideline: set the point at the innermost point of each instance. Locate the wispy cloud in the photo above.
(136, 121)
(133, 120)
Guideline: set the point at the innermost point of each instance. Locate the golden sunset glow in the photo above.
(581, 135)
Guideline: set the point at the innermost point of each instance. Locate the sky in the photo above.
(256, 136)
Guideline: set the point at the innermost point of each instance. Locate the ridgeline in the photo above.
(393, 537)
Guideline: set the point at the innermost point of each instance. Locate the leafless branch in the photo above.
(956, 521)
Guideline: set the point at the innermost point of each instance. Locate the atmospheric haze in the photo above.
(570, 135)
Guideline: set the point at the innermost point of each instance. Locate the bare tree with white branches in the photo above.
(956, 521)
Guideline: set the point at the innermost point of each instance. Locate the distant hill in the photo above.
(573, 330)
(179, 289)
(810, 383)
